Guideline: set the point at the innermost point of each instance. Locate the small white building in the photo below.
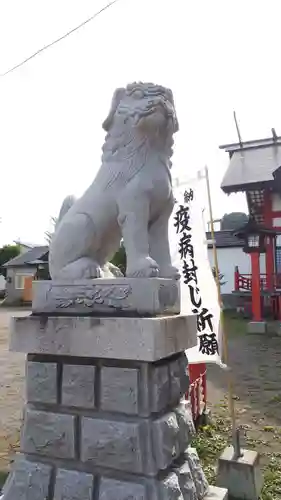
(230, 254)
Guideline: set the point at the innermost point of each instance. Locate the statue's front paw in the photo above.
(143, 268)
(171, 272)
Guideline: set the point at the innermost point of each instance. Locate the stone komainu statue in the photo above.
(131, 196)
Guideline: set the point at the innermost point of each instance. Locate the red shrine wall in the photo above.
(272, 219)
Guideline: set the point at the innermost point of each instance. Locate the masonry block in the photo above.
(49, 434)
(179, 378)
(73, 485)
(165, 435)
(30, 477)
(119, 389)
(78, 386)
(185, 422)
(186, 481)
(111, 489)
(160, 389)
(170, 488)
(199, 478)
(41, 384)
(112, 444)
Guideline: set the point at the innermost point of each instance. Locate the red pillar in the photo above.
(256, 292)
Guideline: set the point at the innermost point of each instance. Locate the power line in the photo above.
(45, 47)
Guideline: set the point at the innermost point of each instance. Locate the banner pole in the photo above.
(224, 339)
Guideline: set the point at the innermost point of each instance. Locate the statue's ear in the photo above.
(117, 96)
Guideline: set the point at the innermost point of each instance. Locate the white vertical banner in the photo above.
(189, 251)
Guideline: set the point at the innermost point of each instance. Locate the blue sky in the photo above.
(216, 56)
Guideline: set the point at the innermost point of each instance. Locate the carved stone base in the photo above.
(113, 296)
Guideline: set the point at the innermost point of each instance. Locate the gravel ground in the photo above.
(255, 361)
(11, 390)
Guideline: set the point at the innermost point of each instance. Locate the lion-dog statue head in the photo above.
(142, 116)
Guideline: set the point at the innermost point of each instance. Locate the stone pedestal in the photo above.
(257, 327)
(241, 476)
(106, 427)
(111, 296)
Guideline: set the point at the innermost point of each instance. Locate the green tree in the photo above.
(233, 221)
(7, 252)
(119, 259)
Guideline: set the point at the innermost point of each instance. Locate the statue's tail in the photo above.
(66, 205)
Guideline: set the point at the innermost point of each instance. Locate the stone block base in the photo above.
(242, 477)
(257, 327)
(34, 480)
(101, 427)
(106, 429)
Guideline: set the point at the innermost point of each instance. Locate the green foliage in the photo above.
(8, 252)
(3, 477)
(119, 259)
(42, 272)
(233, 221)
(272, 479)
(209, 443)
(212, 439)
(221, 276)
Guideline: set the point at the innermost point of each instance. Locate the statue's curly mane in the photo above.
(126, 151)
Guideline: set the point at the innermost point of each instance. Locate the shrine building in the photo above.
(255, 169)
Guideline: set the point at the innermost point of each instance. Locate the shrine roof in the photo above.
(32, 257)
(225, 239)
(252, 164)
